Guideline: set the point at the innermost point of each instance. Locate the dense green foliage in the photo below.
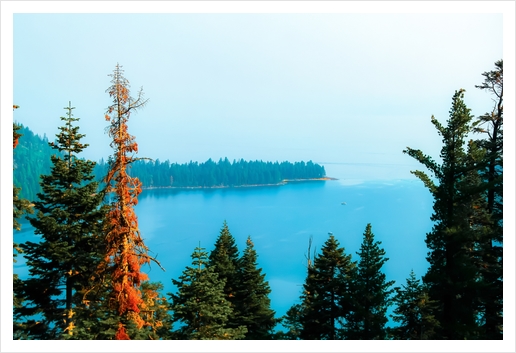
(200, 304)
(292, 322)
(327, 293)
(413, 312)
(223, 173)
(20, 204)
(342, 299)
(465, 245)
(372, 292)
(490, 209)
(69, 293)
(61, 266)
(224, 259)
(31, 158)
(253, 306)
(452, 276)
(245, 287)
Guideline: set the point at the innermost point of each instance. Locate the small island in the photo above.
(221, 174)
(32, 158)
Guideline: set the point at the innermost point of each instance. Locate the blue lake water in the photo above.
(280, 221)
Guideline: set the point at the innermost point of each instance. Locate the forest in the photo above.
(156, 174)
(85, 274)
(32, 158)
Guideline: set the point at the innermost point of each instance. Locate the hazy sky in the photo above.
(327, 87)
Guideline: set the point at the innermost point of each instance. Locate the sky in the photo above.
(327, 87)
(339, 83)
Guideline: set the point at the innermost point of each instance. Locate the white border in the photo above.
(8, 8)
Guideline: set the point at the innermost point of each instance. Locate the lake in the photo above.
(280, 221)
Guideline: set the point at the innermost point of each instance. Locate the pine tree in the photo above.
(326, 294)
(126, 251)
(413, 312)
(69, 220)
(200, 304)
(372, 293)
(452, 277)
(491, 172)
(32, 158)
(252, 298)
(155, 311)
(224, 259)
(292, 322)
(20, 206)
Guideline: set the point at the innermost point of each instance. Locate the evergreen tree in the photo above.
(452, 277)
(224, 259)
(220, 174)
(20, 206)
(327, 293)
(126, 251)
(31, 158)
(292, 322)
(155, 310)
(413, 312)
(69, 220)
(200, 304)
(252, 298)
(372, 293)
(491, 172)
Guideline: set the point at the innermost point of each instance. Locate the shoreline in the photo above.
(281, 183)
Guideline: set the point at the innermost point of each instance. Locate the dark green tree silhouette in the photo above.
(452, 277)
(490, 211)
(200, 304)
(31, 158)
(20, 206)
(221, 174)
(372, 293)
(252, 298)
(413, 312)
(292, 322)
(224, 259)
(69, 220)
(326, 298)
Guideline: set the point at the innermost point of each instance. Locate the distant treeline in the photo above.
(217, 174)
(32, 159)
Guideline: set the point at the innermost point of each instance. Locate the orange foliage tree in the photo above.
(16, 135)
(126, 251)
